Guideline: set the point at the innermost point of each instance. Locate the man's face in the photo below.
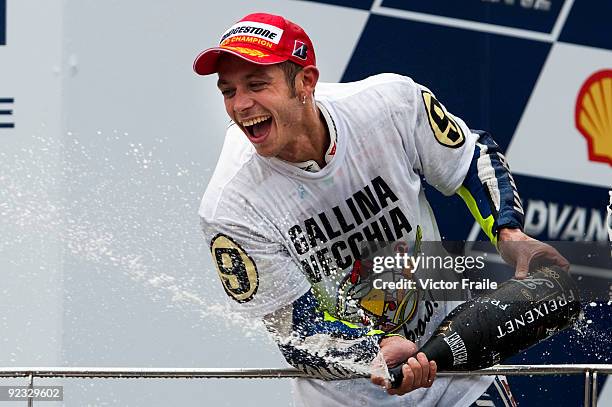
(258, 99)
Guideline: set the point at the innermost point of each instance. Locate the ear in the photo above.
(307, 79)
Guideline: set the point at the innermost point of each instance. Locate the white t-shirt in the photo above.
(277, 231)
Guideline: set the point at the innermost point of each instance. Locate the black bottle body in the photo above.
(490, 328)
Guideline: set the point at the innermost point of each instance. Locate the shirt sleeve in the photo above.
(438, 144)
(320, 345)
(489, 189)
(455, 159)
(443, 142)
(255, 270)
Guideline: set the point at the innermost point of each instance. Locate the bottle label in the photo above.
(458, 349)
(538, 312)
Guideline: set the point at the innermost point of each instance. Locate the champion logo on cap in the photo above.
(300, 50)
(262, 39)
(265, 32)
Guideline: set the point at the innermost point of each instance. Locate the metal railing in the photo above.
(590, 372)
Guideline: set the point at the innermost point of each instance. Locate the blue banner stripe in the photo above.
(7, 125)
(533, 16)
(589, 24)
(6, 112)
(7, 100)
(360, 4)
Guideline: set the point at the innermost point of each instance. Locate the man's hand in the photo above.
(418, 371)
(526, 253)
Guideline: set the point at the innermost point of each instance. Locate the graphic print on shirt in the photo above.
(444, 127)
(333, 248)
(235, 267)
(372, 214)
(387, 310)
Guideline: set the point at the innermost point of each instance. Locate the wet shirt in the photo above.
(277, 231)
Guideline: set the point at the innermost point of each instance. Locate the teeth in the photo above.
(255, 120)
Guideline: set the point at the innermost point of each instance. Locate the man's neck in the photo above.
(312, 141)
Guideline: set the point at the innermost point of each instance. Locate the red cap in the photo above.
(260, 38)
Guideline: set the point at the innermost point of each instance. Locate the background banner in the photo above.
(109, 140)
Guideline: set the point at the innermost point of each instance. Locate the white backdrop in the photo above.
(115, 140)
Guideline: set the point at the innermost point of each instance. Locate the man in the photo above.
(305, 179)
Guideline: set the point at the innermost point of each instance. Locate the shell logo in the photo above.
(594, 115)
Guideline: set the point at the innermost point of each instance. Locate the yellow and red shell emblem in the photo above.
(594, 115)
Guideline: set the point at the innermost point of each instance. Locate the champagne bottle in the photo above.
(490, 328)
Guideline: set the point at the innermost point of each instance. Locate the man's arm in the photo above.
(327, 348)
(320, 345)
(489, 189)
(491, 195)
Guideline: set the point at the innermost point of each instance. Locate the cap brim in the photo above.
(206, 62)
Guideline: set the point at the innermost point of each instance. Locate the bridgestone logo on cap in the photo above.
(264, 31)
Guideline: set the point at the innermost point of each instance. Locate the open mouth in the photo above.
(258, 128)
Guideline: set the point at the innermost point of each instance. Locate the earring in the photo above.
(304, 99)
